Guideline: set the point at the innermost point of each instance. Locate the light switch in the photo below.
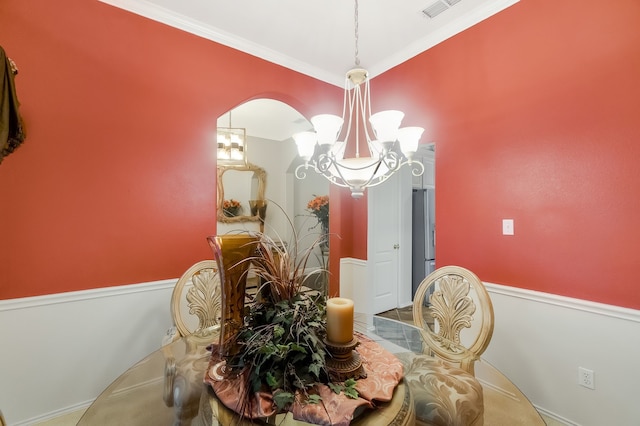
(507, 226)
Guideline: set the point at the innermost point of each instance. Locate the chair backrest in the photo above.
(195, 302)
(455, 314)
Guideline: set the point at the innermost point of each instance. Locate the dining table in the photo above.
(167, 387)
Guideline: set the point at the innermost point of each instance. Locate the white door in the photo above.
(389, 242)
(383, 243)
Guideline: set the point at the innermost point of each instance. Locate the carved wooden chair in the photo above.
(455, 315)
(196, 310)
(195, 302)
(454, 311)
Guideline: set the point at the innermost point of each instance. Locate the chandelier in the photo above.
(231, 144)
(388, 147)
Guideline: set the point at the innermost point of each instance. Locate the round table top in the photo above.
(167, 387)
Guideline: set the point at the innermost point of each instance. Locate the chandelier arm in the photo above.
(391, 160)
(350, 97)
(366, 112)
(301, 173)
(344, 108)
(368, 90)
(301, 170)
(417, 168)
(358, 98)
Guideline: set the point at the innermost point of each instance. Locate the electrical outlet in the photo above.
(585, 378)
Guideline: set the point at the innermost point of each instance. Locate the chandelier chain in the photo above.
(356, 32)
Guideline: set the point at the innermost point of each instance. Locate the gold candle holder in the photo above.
(344, 362)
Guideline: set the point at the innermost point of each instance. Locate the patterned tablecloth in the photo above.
(376, 392)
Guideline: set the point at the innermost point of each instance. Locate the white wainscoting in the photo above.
(541, 339)
(354, 285)
(58, 352)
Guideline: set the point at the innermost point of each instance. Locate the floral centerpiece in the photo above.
(231, 207)
(282, 347)
(319, 207)
(281, 353)
(282, 361)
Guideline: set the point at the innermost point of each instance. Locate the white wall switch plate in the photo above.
(507, 226)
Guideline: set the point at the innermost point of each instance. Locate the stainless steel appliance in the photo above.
(423, 236)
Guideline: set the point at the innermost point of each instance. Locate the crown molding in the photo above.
(192, 26)
(166, 16)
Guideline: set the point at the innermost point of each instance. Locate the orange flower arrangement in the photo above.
(319, 207)
(231, 207)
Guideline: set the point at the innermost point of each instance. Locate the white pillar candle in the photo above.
(339, 320)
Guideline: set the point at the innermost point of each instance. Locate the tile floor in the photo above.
(400, 314)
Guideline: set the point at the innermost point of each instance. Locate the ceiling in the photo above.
(317, 37)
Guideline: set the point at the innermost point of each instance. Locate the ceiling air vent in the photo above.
(438, 7)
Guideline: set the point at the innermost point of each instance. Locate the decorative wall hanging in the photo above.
(12, 132)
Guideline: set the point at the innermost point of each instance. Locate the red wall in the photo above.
(535, 113)
(348, 226)
(115, 183)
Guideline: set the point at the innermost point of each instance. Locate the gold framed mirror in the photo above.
(241, 191)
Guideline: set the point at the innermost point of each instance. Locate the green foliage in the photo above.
(282, 348)
(348, 387)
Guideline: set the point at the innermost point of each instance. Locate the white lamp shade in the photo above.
(306, 143)
(385, 124)
(357, 171)
(327, 126)
(409, 137)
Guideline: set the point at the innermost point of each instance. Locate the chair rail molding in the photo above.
(80, 295)
(617, 312)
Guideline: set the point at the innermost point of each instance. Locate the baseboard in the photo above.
(82, 406)
(555, 416)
